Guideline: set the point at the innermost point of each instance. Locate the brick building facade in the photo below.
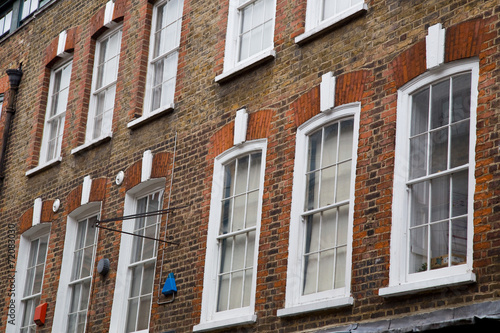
(319, 166)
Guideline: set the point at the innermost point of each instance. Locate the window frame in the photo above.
(123, 273)
(295, 302)
(43, 160)
(314, 25)
(35, 232)
(104, 132)
(148, 112)
(232, 65)
(210, 318)
(400, 280)
(63, 299)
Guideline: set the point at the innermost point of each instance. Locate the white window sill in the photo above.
(43, 166)
(212, 325)
(145, 118)
(331, 23)
(246, 65)
(92, 143)
(415, 287)
(316, 306)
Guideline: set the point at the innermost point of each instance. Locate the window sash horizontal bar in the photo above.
(324, 208)
(437, 175)
(235, 233)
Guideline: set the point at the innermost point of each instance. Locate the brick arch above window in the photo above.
(97, 193)
(259, 127)
(161, 165)
(463, 40)
(46, 216)
(51, 51)
(98, 21)
(349, 88)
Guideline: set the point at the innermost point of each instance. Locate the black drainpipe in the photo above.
(14, 79)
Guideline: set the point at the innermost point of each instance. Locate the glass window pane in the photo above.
(222, 302)
(439, 150)
(328, 186)
(42, 250)
(250, 249)
(459, 241)
(314, 151)
(440, 104)
(247, 287)
(459, 145)
(238, 213)
(343, 225)
(147, 278)
(340, 267)
(87, 262)
(229, 171)
(239, 251)
(236, 292)
(439, 245)
(132, 314)
(143, 316)
(75, 298)
(252, 205)
(328, 229)
(440, 198)
(419, 112)
(226, 254)
(241, 175)
(460, 190)
(84, 302)
(312, 188)
(345, 144)
(325, 278)
(330, 145)
(418, 249)
(136, 281)
(310, 273)
(227, 208)
(419, 194)
(418, 156)
(77, 264)
(312, 232)
(255, 166)
(344, 181)
(258, 13)
(461, 97)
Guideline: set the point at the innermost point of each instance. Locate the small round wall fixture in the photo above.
(119, 178)
(56, 205)
(103, 266)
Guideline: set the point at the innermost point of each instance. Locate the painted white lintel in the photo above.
(37, 212)
(434, 45)
(240, 126)
(327, 92)
(147, 164)
(61, 43)
(87, 184)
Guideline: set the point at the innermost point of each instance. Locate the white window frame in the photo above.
(5, 22)
(295, 302)
(63, 299)
(33, 233)
(119, 309)
(148, 112)
(232, 65)
(105, 132)
(46, 128)
(400, 281)
(314, 23)
(210, 318)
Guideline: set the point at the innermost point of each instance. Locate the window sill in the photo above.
(43, 166)
(152, 115)
(331, 23)
(415, 287)
(93, 143)
(316, 306)
(246, 65)
(212, 325)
